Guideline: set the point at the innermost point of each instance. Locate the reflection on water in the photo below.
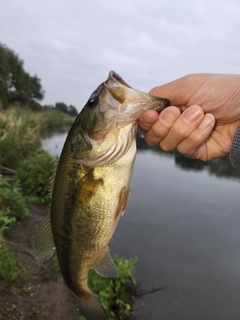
(220, 167)
(54, 144)
(182, 222)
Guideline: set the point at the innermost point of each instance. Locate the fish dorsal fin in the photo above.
(43, 247)
(105, 267)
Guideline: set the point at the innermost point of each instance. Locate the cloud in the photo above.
(71, 45)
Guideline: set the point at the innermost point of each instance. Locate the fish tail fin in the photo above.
(90, 307)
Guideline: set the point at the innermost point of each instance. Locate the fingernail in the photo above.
(167, 117)
(207, 121)
(191, 114)
(148, 121)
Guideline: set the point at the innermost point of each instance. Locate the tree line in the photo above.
(17, 85)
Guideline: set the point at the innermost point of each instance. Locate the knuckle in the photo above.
(150, 141)
(157, 131)
(180, 132)
(166, 146)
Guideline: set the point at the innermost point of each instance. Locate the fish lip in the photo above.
(97, 91)
(114, 75)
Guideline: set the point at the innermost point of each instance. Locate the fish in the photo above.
(92, 186)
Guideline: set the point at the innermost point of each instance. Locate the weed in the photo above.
(9, 268)
(34, 175)
(116, 294)
(12, 204)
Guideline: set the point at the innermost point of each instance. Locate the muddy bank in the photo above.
(32, 296)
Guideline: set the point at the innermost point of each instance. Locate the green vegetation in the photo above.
(21, 130)
(116, 294)
(9, 269)
(15, 83)
(12, 204)
(71, 110)
(34, 175)
(20, 145)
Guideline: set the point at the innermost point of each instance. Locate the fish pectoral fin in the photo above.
(43, 246)
(123, 198)
(105, 267)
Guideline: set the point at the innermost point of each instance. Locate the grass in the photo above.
(12, 204)
(34, 175)
(10, 270)
(21, 130)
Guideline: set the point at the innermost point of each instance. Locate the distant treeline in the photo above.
(17, 85)
(71, 110)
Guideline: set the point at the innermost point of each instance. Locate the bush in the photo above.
(12, 204)
(34, 175)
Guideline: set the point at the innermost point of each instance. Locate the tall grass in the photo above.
(21, 130)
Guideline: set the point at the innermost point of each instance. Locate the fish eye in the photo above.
(93, 101)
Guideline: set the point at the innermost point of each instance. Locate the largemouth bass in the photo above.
(92, 186)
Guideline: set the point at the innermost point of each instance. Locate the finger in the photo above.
(193, 145)
(180, 91)
(182, 127)
(147, 119)
(161, 127)
(176, 91)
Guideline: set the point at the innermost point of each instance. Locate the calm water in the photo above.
(182, 222)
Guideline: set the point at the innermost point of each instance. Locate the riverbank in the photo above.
(33, 295)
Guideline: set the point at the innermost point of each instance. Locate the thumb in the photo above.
(178, 91)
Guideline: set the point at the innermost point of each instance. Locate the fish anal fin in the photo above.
(122, 204)
(105, 266)
(43, 246)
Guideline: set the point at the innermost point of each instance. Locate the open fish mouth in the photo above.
(116, 76)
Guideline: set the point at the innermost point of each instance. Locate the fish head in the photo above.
(110, 116)
(115, 104)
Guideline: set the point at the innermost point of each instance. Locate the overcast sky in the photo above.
(72, 44)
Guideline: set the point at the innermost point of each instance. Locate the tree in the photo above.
(36, 88)
(15, 83)
(72, 111)
(61, 107)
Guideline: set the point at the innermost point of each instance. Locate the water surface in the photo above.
(182, 222)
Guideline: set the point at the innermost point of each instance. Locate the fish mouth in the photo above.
(122, 92)
(114, 75)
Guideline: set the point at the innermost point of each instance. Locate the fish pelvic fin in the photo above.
(43, 246)
(105, 266)
(90, 307)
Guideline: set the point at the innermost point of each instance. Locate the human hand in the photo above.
(202, 120)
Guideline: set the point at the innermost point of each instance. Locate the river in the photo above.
(182, 222)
